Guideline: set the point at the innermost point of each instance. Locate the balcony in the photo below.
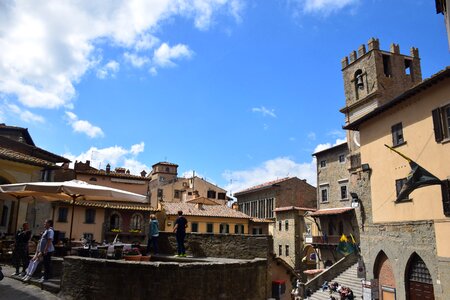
(326, 240)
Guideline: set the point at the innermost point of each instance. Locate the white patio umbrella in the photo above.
(69, 190)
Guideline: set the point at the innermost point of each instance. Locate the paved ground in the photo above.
(17, 290)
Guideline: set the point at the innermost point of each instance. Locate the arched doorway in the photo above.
(384, 273)
(419, 283)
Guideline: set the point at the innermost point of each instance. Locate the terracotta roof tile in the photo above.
(330, 211)
(119, 206)
(287, 208)
(189, 209)
(258, 220)
(12, 155)
(263, 185)
(112, 174)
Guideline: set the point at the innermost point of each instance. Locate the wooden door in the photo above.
(420, 291)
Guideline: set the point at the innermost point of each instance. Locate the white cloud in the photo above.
(24, 115)
(324, 7)
(265, 111)
(136, 60)
(336, 133)
(312, 136)
(48, 46)
(273, 169)
(321, 147)
(116, 156)
(164, 55)
(83, 126)
(145, 42)
(137, 148)
(109, 69)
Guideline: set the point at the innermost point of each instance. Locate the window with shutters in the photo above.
(397, 135)
(441, 123)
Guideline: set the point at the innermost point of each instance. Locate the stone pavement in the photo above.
(15, 289)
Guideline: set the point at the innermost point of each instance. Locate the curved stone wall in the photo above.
(89, 278)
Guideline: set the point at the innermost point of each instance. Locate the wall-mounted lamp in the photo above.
(355, 200)
(365, 167)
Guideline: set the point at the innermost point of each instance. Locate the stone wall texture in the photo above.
(219, 245)
(88, 278)
(399, 241)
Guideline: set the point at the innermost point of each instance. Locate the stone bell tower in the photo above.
(374, 77)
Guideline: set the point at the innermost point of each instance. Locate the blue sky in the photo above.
(242, 92)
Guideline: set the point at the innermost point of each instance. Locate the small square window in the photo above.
(90, 216)
(211, 194)
(344, 193)
(194, 227)
(323, 163)
(224, 228)
(399, 184)
(209, 228)
(176, 194)
(239, 229)
(342, 158)
(62, 214)
(324, 194)
(397, 134)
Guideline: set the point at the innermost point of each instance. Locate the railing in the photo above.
(326, 240)
(330, 273)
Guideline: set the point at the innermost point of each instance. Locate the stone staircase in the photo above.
(347, 278)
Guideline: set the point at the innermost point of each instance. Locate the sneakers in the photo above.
(15, 273)
(183, 255)
(42, 280)
(26, 278)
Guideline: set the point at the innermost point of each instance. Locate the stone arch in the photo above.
(418, 279)
(384, 272)
(4, 179)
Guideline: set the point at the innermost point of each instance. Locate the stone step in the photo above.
(348, 278)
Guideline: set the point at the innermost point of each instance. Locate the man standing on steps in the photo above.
(180, 229)
(47, 248)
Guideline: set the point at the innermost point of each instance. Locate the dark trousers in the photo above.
(153, 243)
(20, 257)
(180, 242)
(47, 265)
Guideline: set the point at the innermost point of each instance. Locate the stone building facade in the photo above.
(166, 186)
(335, 215)
(285, 201)
(261, 200)
(289, 236)
(404, 242)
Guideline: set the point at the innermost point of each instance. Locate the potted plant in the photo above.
(132, 254)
